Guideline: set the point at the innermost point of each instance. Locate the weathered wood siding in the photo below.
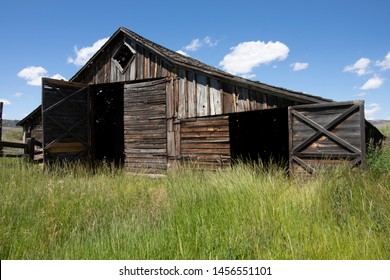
(326, 133)
(145, 127)
(205, 141)
(200, 95)
(145, 64)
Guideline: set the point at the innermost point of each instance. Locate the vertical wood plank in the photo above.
(201, 94)
(146, 64)
(139, 66)
(215, 97)
(191, 83)
(227, 91)
(182, 94)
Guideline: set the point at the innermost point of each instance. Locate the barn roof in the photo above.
(178, 59)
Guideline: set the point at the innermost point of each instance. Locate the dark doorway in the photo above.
(107, 122)
(260, 136)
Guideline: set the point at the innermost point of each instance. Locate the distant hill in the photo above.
(10, 123)
(380, 123)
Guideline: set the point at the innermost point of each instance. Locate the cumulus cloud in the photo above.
(298, 66)
(371, 110)
(33, 75)
(247, 55)
(5, 101)
(360, 67)
(373, 83)
(182, 52)
(85, 53)
(384, 64)
(18, 94)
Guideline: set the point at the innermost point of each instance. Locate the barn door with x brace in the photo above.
(326, 133)
(65, 120)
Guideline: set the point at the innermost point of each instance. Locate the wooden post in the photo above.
(31, 148)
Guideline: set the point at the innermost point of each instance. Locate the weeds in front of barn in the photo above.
(245, 212)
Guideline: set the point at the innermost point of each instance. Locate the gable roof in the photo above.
(180, 60)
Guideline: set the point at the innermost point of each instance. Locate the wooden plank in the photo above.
(215, 98)
(182, 102)
(192, 102)
(202, 95)
(12, 145)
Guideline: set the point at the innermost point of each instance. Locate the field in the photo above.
(245, 212)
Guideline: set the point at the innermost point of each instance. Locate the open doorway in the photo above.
(107, 122)
(260, 136)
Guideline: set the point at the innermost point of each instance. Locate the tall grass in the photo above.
(244, 212)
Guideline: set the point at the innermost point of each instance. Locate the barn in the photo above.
(138, 104)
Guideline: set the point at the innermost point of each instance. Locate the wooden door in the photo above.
(65, 120)
(145, 126)
(326, 133)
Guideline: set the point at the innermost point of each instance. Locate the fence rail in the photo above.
(28, 148)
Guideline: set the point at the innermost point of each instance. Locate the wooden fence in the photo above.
(28, 148)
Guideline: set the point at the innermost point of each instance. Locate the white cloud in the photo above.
(5, 101)
(196, 44)
(373, 83)
(33, 75)
(85, 53)
(360, 67)
(18, 94)
(193, 46)
(209, 41)
(361, 94)
(297, 66)
(247, 55)
(58, 77)
(371, 110)
(182, 52)
(384, 64)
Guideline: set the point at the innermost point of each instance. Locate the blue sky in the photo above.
(337, 49)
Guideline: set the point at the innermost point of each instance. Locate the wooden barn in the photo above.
(143, 106)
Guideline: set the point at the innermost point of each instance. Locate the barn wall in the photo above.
(201, 95)
(205, 141)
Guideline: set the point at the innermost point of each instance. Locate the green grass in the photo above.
(243, 212)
